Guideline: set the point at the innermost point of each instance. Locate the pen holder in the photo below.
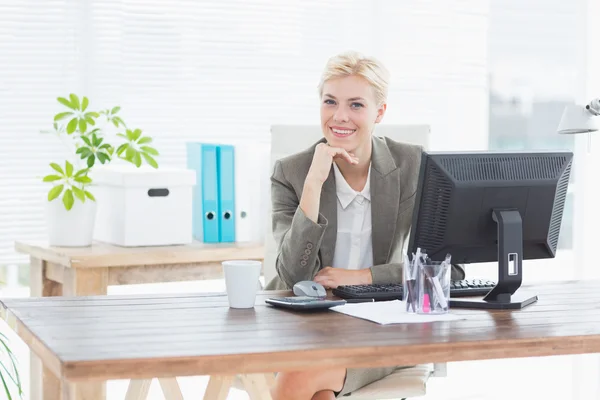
(433, 281)
(410, 295)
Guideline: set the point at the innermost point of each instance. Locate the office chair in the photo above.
(290, 139)
(404, 384)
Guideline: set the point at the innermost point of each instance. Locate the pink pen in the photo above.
(426, 304)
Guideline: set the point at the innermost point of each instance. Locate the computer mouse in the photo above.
(309, 288)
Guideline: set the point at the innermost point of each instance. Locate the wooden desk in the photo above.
(140, 337)
(89, 270)
(85, 271)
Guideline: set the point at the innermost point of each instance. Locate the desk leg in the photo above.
(218, 387)
(138, 389)
(257, 386)
(170, 388)
(81, 391)
(86, 282)
(43, 383)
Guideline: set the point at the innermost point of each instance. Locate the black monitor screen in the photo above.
(458, 192)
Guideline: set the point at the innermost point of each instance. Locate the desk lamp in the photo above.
(580, 119)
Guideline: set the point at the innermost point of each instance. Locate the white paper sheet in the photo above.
(390, 312)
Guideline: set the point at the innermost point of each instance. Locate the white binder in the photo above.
(252, 177)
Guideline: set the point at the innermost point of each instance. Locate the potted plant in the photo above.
(71, 207)
(9, 375)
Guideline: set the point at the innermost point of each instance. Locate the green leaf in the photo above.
(90, 196)
(81, 172)
(103, 157)
(65, 102)
(150, 150)
(136, 134)
(129, 134)
(145, 140)
(8, 396)
(82, 125)
(86, 152)
(96, 141)
(13, 362)
(115, 110)
(91, 114)
(81, 150)
(62, 115)
(105, 146)
(130, 153)
(52, 178)
(57, 168)
(122, 148)
(55, 192)
(74, 101)
(150, 160)
(119, 121)
(137, 159)
(84, 103)
(122, 135)
(69, 169)
(68, 199)
(83, 179)
(15, 379)
(16, 382)
(79, 193)
(72, 126)
(115, 122)
(90, 121)
(87, 141)
(91, 160)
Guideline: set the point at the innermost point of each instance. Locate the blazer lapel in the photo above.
(328, 209)
(385, 195)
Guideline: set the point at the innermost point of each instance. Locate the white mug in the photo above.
(241, 282)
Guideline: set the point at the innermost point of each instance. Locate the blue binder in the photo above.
(203, 159)
(226, 174)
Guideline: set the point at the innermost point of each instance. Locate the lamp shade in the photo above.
(577, 119)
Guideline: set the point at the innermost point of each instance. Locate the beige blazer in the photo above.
(304, 247)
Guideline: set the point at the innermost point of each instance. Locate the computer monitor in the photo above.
(485, 207)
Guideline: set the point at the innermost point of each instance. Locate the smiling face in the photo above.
(349, 113)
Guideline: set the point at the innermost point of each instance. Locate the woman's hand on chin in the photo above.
(322, 160)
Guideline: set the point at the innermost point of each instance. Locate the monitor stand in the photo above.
(510, 260)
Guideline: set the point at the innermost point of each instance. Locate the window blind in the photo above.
(220, 72)
(39, 60)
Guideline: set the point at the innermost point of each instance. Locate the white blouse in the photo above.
(353, 245)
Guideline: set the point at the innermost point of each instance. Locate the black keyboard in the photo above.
(461, 288)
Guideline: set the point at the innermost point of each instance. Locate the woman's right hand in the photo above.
(322, 160)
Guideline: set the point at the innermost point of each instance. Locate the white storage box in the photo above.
(143, 206)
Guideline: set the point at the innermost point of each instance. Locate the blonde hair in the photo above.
(354, 63)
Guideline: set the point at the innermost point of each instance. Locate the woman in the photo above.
(342, 209)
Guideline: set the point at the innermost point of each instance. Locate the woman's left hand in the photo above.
(331, 278)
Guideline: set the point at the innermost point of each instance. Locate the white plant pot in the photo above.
(70, 228)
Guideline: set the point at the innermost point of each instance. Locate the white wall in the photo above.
(437, 52)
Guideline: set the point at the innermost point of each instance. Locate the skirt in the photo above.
(357, 378)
